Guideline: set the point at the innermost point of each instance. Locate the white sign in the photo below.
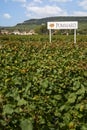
(63, 25)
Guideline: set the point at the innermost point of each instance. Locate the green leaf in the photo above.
(8, 109)
(85, 73)
(21, 102)
(57, 97)
(45, 83)
(57, 113)
(1, 99)
(76, 85)
(26, 124)
(84, 127)
(81, 90)
(41, 120)
(62, 108)
(72, 98)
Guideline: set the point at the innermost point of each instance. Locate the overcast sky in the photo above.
(17, 11)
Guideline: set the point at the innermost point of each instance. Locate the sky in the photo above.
(13, 12)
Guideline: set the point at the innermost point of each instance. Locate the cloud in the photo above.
(45, 11)
(22, 1)
(80, 13)
(83, 4)
(7, 16)
(37, 1)
(60, 0)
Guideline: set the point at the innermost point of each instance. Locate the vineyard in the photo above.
(43, 86)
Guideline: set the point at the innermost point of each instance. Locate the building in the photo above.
(4, 31)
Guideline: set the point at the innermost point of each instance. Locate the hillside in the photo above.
(34, 23)
(44, 20)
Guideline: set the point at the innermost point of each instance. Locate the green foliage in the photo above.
(43, 86)
(26, 124)
(42, 29)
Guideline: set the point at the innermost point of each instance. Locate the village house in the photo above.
(31, 32)
(16, 32)
(4, 32)
(23, 33)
